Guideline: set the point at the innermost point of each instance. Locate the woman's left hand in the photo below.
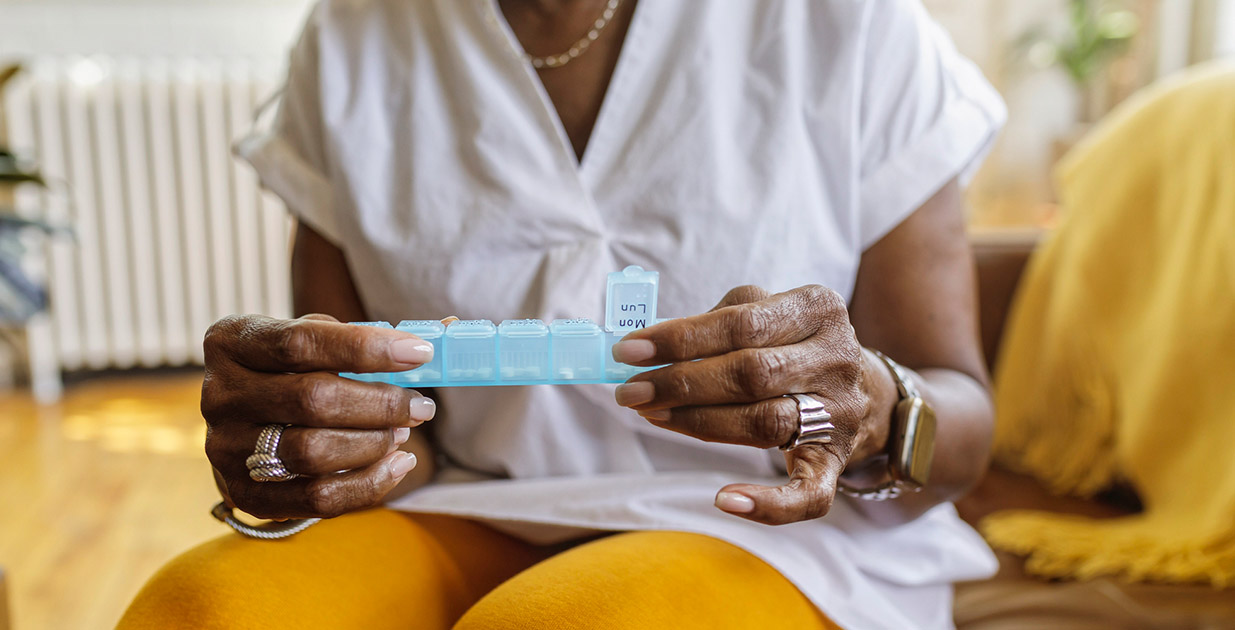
(729, 372)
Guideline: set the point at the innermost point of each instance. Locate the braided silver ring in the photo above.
(264, 464)
(814, 423)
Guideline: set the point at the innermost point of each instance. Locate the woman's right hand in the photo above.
(343, 436)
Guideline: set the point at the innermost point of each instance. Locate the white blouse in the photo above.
(764, 143)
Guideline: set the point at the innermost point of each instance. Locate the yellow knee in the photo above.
(647, 580)
(369, 569)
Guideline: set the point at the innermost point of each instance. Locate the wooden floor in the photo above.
(97, 492)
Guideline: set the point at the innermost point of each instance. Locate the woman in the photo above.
(495, 159)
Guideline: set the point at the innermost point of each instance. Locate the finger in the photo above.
(807, 495)
(742, 376)
(266, 344)
(221, 482)
(781, 319)
(307, 451)
(742, 295)
(315, 399)
(764, 424)
(314, 452)
(322, 497)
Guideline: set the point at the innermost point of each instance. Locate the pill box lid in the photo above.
(373, 324)
(423, 328)
(471, 328)
(619, 288)
(522, 328)
(633, 273)
(574, 327)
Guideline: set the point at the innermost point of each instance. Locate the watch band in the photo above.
(904, 382)
(882, 492)
(894, 487)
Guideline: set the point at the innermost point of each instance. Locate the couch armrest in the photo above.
(1000, 256)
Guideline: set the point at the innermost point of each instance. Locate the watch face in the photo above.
(915, 449)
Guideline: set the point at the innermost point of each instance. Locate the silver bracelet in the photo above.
(269, 531)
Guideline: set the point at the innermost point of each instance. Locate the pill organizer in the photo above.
(475, 353)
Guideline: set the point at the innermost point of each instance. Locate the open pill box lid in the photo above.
(630, 299)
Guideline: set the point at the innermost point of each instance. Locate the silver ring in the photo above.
(814, 423)
(264, 464)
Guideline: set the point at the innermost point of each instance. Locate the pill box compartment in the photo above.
(578, 350)
(617, 372)
(432, 331)
(523, 350)
(470, 351)
(375, 377)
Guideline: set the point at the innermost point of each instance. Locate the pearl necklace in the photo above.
(557, 61)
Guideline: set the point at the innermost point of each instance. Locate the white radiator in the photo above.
(171, 231)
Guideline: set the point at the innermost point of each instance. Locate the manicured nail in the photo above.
(411, 351)
(660, 415)
(402, 463)
(423, 408)
(633, 351)
(402, 434)
(735, 503)
(631, 394)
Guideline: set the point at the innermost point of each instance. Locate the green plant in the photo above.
(1096, 33)
(11, 171)
(21, 297)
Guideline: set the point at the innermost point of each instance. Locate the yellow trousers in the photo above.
(384, 569)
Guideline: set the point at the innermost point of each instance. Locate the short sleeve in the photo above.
(926, 115)
(289, 154)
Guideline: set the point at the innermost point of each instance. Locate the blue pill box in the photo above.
(516, 352)
(527, 351)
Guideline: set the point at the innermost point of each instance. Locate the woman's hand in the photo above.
(344, 435)
(730, 369)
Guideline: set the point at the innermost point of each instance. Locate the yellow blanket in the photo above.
(1119, 360)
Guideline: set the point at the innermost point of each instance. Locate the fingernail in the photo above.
(403, 463)
(660, 415)
(402, 434)
(423, 409)
(735, 503)
(411, 351)
(631, 394)
(633, 351)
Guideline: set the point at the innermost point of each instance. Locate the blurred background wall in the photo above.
(125, 109)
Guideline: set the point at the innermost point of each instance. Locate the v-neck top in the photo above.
(765, 143)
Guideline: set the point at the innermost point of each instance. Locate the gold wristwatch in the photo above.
(906, 465)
